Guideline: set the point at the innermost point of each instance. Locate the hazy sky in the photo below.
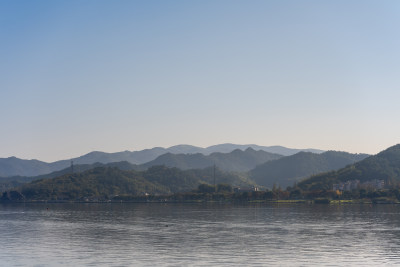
(78, 76)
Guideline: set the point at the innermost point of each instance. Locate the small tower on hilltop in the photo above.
(215, 188)
(72, 166)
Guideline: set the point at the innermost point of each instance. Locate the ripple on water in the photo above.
(199, 235)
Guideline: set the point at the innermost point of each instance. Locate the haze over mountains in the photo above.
(13, 166)
(288, 170)
(237, 160)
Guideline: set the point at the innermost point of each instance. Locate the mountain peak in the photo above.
(250, 149)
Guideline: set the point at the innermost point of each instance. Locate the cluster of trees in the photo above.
(219, 188)
(224, 193)
(207, 193)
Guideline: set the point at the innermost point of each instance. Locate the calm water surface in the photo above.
(199, 235)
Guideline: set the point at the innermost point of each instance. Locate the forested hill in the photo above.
(7, 183)
(103, 182)
(237, 160)
(383, 166)
(288, 170)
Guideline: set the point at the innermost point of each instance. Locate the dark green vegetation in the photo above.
(288, 170)
(384, 166)
(107, 182)
(97, 187)
(8, 183)
(237, 160)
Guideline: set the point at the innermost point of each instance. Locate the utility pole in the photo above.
(215, 188)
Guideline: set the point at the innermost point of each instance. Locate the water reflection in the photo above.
(199, 235)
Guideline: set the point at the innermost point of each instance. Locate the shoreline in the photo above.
(300, 201)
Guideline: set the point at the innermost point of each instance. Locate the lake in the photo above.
(155, 234)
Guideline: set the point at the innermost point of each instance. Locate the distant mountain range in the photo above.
(183, 172)
(14, 166)
(237, 160)
(264, 168)
(123, 178)
(383, 166)
(288, 170)
(226, 148)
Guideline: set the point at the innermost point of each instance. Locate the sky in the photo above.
(79, 76)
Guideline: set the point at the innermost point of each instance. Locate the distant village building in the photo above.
(355, 184)
(376, 184)
(245, 189)
(347, 186)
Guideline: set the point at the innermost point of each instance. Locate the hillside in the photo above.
(384, 166)
(237, 160)
(288, 170)
(105, 182)
(14, 166)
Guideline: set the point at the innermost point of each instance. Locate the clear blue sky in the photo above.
(77, 76)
